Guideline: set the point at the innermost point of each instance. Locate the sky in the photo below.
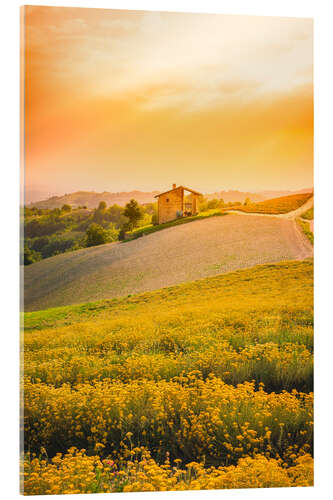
(121, 100)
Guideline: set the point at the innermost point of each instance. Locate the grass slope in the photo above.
(305, 226)
(175, 255)
(280, 284)
(309, 214)
(280, 205)
(176, 373)
(239, 327)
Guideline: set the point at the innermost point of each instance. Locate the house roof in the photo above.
(183, 187)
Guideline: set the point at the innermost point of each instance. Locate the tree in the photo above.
(30, 256)
(134, 213)
(202, 203)
(115, 214)
(100, 213)
(102, 206)
(39, 243)
(96, 235)
(112, 232)
(247, 202)
(214, 203)
(66, 208)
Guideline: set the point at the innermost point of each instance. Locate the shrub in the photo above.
(102, 206)
(39, 243)
(308, 214)
(112, 232)
(122, 233)
(96, 235)
(57, 245)
(46, 227)
(30, 256)
(213, 204)
(66, 208)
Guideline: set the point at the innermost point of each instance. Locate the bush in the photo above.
(112, 232)
(66, 208)
(205, 204)
(146, 219)
(213, 204)
(102, 206)
(39, 243)
(121, 235)
(30, 256)
(96, 235)
(49, 226)
(58, 245)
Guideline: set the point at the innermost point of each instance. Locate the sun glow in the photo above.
(121, 100)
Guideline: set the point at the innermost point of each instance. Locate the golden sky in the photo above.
(120, 100)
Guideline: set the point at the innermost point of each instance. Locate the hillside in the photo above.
(281, 205)
(255, 197)
(175, 255)
(167, 374)
(92, 199)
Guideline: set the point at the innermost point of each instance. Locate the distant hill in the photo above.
(234, 195)
(281, 205)
(278, 194)
(91, 199)
(231, 196)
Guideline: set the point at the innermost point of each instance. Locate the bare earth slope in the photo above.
(178, 254)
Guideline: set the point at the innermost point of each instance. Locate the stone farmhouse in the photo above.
(174, 203)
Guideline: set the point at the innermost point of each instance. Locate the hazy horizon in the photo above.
(120, 100)
(38, 193)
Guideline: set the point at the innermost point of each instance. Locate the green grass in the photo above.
(309, 214)
(280, 284)
(281, 205)
(306, 230)
(144, 230)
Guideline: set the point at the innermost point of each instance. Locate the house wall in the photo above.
(169, 204)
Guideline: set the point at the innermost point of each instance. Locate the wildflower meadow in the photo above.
(206, 385)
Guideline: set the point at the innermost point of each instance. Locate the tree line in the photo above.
(48, 232)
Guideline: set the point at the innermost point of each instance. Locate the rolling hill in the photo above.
(281, 205)
(176, 255)
(192, 369)
(91, 199)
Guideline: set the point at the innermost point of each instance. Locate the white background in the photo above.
(321, 11)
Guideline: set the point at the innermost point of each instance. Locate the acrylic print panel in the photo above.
(168, 251)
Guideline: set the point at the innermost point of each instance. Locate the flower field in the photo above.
(281, 205)
(205, 385)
